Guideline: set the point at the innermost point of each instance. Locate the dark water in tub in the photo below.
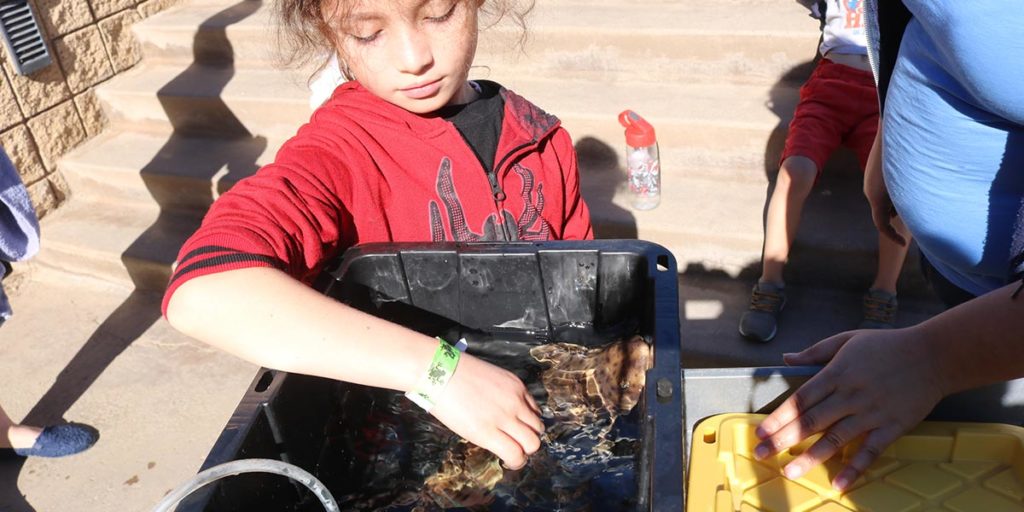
(380, 449)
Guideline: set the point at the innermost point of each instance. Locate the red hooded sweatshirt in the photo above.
(363, 170)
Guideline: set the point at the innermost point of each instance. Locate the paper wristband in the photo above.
(441, 369)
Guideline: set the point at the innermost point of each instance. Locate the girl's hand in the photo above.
(878, 384)
(491, 408)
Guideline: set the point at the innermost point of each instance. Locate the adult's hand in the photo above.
(877, 384)
(883, 212)
(491, 408)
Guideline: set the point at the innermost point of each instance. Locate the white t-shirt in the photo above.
(844, 27)
(326, 81)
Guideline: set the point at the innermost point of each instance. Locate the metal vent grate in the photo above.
(21, 34)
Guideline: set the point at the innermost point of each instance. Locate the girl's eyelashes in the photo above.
(365, 39)
(446, 16)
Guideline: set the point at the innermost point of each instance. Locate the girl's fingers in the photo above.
(806, 422)
(832, 441)
(819, 353)
(524, 436)
(507, 449)
(796, 406)
(531, 418)
(532, 404)
(873, 446)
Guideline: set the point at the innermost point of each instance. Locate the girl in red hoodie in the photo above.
(408, 150)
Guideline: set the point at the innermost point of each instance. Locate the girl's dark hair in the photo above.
(306, 37)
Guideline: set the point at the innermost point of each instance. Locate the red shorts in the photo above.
(838, 106)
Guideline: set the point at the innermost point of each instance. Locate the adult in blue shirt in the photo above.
(951, 146)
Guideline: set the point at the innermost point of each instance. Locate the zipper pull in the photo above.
(496, 191)
(499, 195)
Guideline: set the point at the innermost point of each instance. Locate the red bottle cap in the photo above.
(639, 133)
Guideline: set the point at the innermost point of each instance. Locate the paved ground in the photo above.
(711, 305)
(85, 351)
(159, 400)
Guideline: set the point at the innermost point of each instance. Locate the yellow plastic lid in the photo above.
(938, 466)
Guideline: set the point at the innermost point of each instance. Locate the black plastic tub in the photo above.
(587, 293)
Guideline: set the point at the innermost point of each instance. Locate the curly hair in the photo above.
(306, 36)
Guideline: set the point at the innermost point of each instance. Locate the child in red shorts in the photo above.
(838, 106)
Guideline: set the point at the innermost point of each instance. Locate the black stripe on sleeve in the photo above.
(206, 249)
(222, 260)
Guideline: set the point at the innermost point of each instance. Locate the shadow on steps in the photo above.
(142, 308)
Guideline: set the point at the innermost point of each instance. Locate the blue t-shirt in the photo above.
(954, 136)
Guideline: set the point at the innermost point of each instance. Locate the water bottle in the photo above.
(643, 169)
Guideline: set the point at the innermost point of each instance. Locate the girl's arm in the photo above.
(237, 286)
(267, 317)
(881, 383)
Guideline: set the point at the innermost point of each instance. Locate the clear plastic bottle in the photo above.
(643, 167)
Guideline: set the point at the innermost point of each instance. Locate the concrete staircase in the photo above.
(718, 80)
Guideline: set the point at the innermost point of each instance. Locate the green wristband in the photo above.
(441, 369)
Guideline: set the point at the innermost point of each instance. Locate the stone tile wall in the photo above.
(46, 114)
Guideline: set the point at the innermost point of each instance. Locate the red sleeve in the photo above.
(576, 224)
(287, 216)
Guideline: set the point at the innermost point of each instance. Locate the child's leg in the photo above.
(796, 178)
(794, 183)
(879, 303)
(14, 435)
(813, 134)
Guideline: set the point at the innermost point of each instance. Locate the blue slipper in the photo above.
(61, 441)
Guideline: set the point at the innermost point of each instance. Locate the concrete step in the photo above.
(83, 350)
(720, 125)
(121, 245)
(731, 133)
(212, 32)
(689, 134)
(748, 112)
(157, 172)
(693, 41)
(205, 100)
(181, 147)
(200, 100)
(750, 42)
(706, 221)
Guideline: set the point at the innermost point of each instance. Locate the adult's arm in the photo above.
(886, 22)
(880, 383)
(882, 210)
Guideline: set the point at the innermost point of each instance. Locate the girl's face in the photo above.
(413, 53)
